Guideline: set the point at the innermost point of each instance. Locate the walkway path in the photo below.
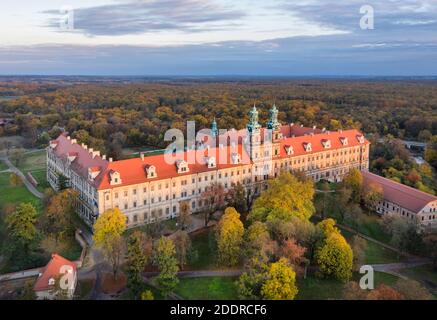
(201, 273)
(26, 182)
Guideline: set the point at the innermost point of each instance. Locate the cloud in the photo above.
(137, 17)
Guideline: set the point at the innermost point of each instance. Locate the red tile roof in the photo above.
(52, 270)
(132, 171)
(83, 160)
(398, 193)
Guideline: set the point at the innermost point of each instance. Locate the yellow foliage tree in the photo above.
(335, 257)
(281, 282)
(285, 198)
(230, 232)
(108, 231)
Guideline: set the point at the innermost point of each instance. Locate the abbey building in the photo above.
(150, 188)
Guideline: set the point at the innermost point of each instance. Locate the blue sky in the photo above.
(219, 37)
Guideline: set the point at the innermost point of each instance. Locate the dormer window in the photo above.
(72, 156)
(182, 166)
(307, 146)
(151, 172)
(51, 282)
(115, 178)
(93, 172)
(344, 141)
(326, 143)
(289, 150)
(53, 144)
(235, 158)
(360, 139)
(210, 162)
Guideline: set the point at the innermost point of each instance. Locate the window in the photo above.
(116, 195)
(135, 204)
(125, 193)
(134, 191)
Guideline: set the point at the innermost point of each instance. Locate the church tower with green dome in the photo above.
(254, 134)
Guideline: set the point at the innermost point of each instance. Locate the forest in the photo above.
(113, 115)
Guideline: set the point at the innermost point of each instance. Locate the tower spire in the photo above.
(273, 123)
(253, 120)
(214, 128)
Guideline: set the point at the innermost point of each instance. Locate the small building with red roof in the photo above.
(58, 275)
(399, 199)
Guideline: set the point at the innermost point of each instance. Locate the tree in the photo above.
(183, 246)
(108, 236)
(21, 225)
(354, 181)
(372, 196)
(147, 295)
(184, 218)
(58, 216)
(285, 198)
(63, 182)
(139, 251)
(352, 291)
(250, 283)
(431, 151)
(257, 242)
(335, 257)
(164, 257)
(412, 290)
(280, 283)
(15, 180)
(384, 292)
(295, 255)
(431, 248)
(214, 198)
(237, 198)
(230, 231)
(342, 198)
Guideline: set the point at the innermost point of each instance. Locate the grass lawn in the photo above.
(313, 288)
(422, 273)
(202, 243)
(213, 288)
(15, 195)
(33, 161)
(3, 166)
(370, 225)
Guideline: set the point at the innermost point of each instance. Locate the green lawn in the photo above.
(33, 161)
(3, 166)
(15, 195)
(370, 226)
(214, 288)
(203, 245)
(313, 288)
(422, 273)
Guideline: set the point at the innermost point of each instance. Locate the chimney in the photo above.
(90, 150)
(142, 156)
(110, 159)
(73, 141)
(291, 124)
(314, 127)
(68, 138)
(104, 157)
(324, 129)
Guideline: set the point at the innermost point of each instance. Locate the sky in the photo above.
(218, 37)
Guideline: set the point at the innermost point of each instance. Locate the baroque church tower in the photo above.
(254, 134)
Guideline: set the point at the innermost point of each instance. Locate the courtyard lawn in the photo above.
(213, 288)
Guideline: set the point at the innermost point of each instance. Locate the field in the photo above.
(203, 243)
(213, 288)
